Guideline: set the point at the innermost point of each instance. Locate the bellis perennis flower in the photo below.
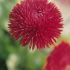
(37, 22)
(59, 59)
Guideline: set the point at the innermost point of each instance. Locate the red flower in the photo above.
(36, 22)
(59, 59)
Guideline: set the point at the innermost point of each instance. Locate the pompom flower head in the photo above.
(59, 59)
(37, 22)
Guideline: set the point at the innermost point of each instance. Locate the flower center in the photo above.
(37, 14)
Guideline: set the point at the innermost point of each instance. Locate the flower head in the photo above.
(59, 59)
(36, 22)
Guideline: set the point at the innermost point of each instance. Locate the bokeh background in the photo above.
(15, 57)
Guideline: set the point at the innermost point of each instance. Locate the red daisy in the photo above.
(36, 22)
(59, 59)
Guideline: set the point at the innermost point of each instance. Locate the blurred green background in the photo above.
(15, 57)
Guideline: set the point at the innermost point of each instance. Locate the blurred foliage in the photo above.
(26, 59)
